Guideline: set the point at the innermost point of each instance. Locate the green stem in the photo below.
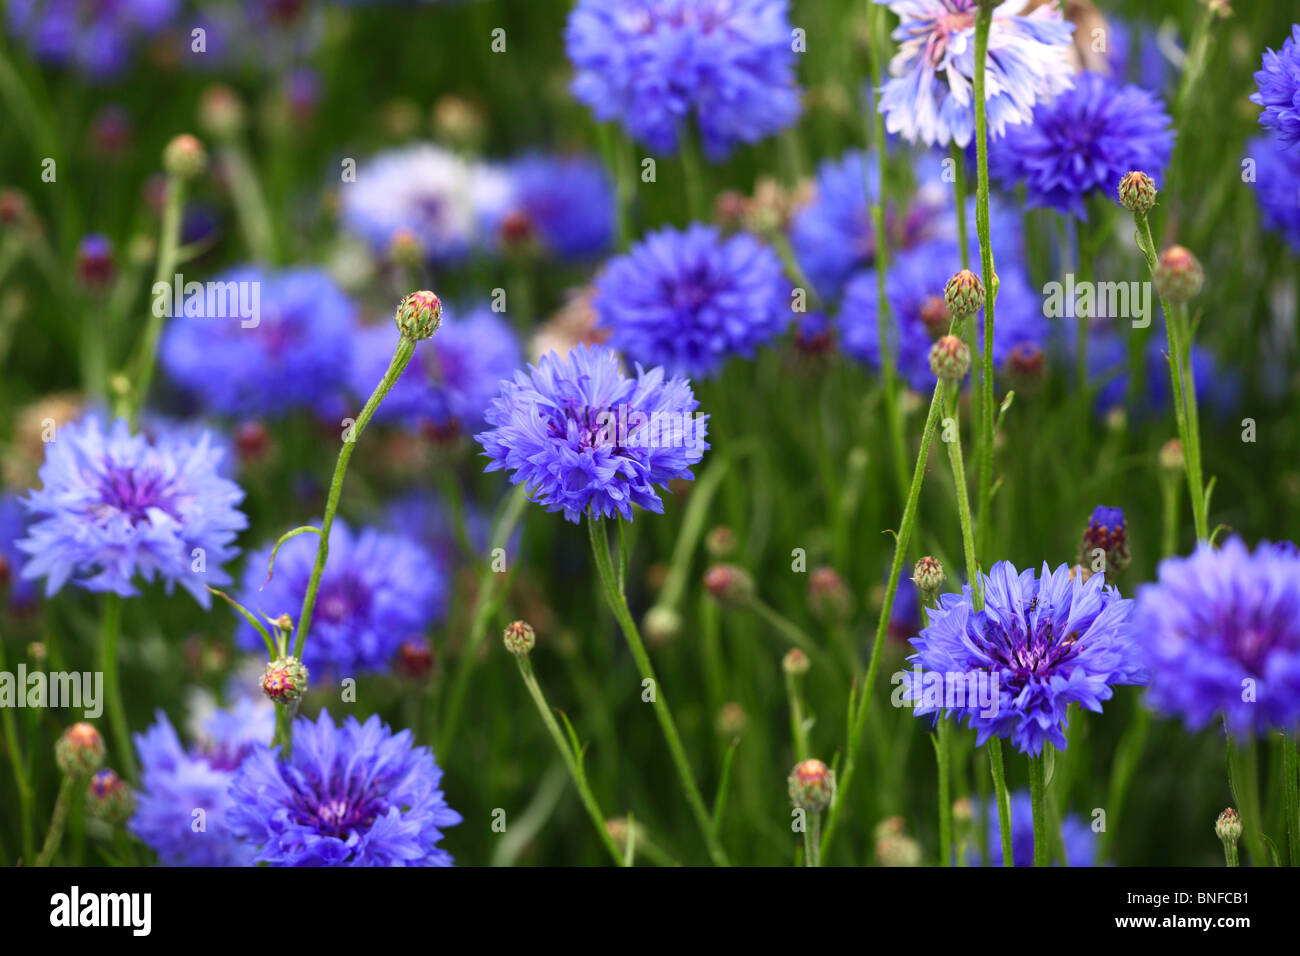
(692, 175)
(164, 272)
(26, 797)
(811, 839)
(1230, 854)
(112, 627)
(1128, 754)
(955, 459)
(943, 752)
(1082, 319)
(618, 604)
(401, 356)
(1243, 778)
(1038, 800)
(255, 221)
(1291, 797)
(798, 733)
(62, 806)
(983, 22)
(998, 770)
(785, 627)
(572, 761)
(858, 719)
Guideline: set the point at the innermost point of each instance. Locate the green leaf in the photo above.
(270, 566)
(250, 617)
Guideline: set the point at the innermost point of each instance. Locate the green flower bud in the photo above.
(812, 785)
(950, 359)
(80, 751)
(419, 315)
(964, 294)
(520, 638)
(285, 680)
(1178, 275)
(1137, 192)
(185, 157)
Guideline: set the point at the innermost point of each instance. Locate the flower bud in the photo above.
(618, 830)
(13, 207)
(419, 315)
(457, 122)
(935, 315)
(962, 811)
(1178, 275)
(928, 575)
(720, 541)
(730, 586)
(1137, 192)
(221, 114)
(964, 294)
(811, 784)
(517, 233)
(950, 359)
(828, 594)
(252, 440)
(795, 663)
(898, 850)
(1108, 533)
(662, 624)
(109, 798)
(285, 680)
(1171, 457)
(406, 250)
(185, 157)
(731, 719)
(1228, 827)
(80, 751)
(95, 263)
(1025, 365)
(110, 132)
(520, 638)
(415, 659)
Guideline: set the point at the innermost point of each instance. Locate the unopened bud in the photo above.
(1228, 827)
(720, 541)
(108, 798)
(964, 294)
(950, 359)
(730, 586)
(1171, 457)
(828, 594)
(811, 785)
(935, 315)
(406, 250)
(520, 638)
(731, 719)
(1137, 192)
(285, 680)
(80, 751)
(1178, 275)
(1108, 533)
(928, 575)
(185, 157)
(221, 114)
(897, 850)
(795, 663)
(415, 659)
(419, 315)
(662, 624)
(95, 263)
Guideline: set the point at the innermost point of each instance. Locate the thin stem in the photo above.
(1082, 319)
(1291, 797)
(983, 22)
(811, 839)
(798, 733)
(168, 243)
(26, 797)
(859, 719)
(784, 626)
(401, 356)
(999, 772)
(692, 174)
(943, 752)
(255, 221)
(1230, 854)
(1038, 800)
(571, 760)
(62, 806)
(955, 459)
(112, 627)
(1243, 779)
(618, 604)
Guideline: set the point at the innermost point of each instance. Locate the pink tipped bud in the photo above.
(964, 294)
(731, 719)
(795, 663)
(406, 250)
(419, 315)
(730, 586)
(185, 157)
(1025, 365)
(1137, 192)
(935, 315)
(1171, 457)
(95, 262)
(415, 659)
(812, 785)
(109, 798)
(720, 541)
(928, 575)
(221, 113)
(80, 751)
(520, 638)
(950, 358)
(828, 594)
(1178, 275)
(285, 680)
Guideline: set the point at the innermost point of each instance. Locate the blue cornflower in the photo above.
(377, 590)
(930, 97)
(1277, 184)
(428, 192)
(1083, 142)
(566, 203)
(356, 795)
(451, 379)
(1279, 91)
(273, 343)
(176, 781)
(18, 592)
(585, 438)
(653, 64)
(914, 289)
(96, 38)
(1138, 53)
(1220, 632)
(691, 299)
(115, 505)
(1081, 842)
(1049, 641)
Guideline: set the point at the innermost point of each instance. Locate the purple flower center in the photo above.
(344, 598)
(1029, 656)
(338, 815)
(133, 492)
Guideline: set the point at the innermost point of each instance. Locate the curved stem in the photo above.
(401, 357)
(618, 604)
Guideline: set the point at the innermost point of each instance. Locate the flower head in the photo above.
(377, 590)
(1083, 142)
(565, 203)
(930, 97)
(1279, 91)
(1081, 843)
(1277, 183)
(585, 438)
(94, 37)
(654, 64)
(260, 343)
(116, 506)
(452, 377)
(1107, 532)
(18, 591)
(1041, 643)
(176, 781)
(1220, 632)
(689, 300)
(356, 795)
